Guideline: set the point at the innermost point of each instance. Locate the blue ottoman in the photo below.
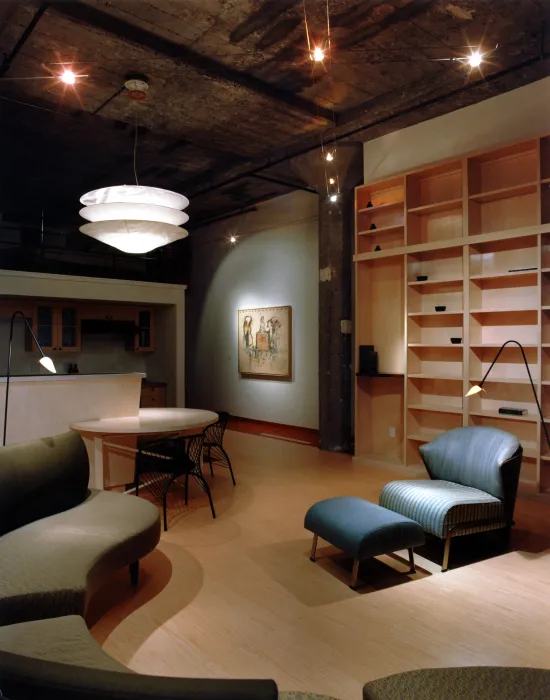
(362, 530)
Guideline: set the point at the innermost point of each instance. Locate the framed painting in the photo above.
(265, 343)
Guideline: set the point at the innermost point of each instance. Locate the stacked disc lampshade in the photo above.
(134, 218)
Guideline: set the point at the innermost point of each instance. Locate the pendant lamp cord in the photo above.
(135, 151)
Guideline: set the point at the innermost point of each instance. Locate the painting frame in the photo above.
(283, 374)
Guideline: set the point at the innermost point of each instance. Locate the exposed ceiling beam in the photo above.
(539, 67)
(8, 60)
(121, 29)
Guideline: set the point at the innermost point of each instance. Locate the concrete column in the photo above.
(336, 231)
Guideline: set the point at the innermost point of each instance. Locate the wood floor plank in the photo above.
(238, 596)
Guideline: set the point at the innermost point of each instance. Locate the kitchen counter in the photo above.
(54, 377)
(46, 404)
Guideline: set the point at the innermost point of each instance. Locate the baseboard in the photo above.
(277, 431)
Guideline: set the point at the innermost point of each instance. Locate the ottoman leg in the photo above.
(411, 561)
(313, 547)
(354, 572)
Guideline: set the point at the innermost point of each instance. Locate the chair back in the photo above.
(481, 457)
(194, 445)
(214, 433)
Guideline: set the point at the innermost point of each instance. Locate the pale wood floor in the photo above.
(239, 597)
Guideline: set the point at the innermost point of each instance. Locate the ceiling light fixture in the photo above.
(331, 181)
(475, 59)
(68, 77)
(329, 156)
(318, 54)
(333, 197)
(233, 239)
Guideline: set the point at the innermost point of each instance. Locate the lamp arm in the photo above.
(8, 373)
(520, 346)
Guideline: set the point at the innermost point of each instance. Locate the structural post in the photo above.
(336, 231)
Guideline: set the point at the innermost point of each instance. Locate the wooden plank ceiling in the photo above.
(232, 89)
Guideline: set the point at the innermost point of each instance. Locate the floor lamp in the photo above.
(479, 387)
(44, 361)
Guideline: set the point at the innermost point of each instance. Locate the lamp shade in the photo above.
(136, 237)
(134, 218)
(474, 390)
(47, 362)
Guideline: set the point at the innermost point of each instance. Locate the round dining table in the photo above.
(112, 442)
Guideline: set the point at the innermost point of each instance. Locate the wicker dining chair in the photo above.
(160, 463)
(214, 450)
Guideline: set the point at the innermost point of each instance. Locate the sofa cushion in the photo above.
(471, 457)
(62, 639)
(440, 505)
(52, 566)
(41, 478)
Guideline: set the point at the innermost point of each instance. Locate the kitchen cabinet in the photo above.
(153, 395)
(145, 336)
(56, 327)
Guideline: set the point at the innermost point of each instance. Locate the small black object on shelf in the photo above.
(368, 361)
(377, 249)
(440, 308)
(524, 269)
(456, 341)
(369, 204)
(421, 278)
(507, 411)
(373, 227)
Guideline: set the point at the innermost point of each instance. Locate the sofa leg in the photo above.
(446, 552)
(411, 561)
(354, 573)
(134, 573)
(313, 547)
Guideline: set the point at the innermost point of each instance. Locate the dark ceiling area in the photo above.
(233, 93)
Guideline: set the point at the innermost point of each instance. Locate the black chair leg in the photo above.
(202, 482)
(164, 496)
(134, 573)
(210, 460)
(186, 488)
(229, 466)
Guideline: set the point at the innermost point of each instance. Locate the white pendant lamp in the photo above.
(134, 218)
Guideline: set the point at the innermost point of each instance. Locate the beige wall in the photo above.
(167, 363)
(512, 116)
(274, 263)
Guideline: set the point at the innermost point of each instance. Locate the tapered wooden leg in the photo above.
(446, 552)
(411, 561)
(354, 573)
(313, 547)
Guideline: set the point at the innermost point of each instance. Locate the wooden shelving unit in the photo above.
(471, 235)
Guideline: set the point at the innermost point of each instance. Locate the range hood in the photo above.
(110, 326)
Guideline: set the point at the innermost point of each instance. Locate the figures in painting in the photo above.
(265, 342)
(248, 339)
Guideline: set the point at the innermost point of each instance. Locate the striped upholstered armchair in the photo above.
(474, 474)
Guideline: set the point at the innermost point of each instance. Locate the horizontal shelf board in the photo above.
(434, 408)
(545, 180)
(424, 437)
(505, 192)
(502, 311)
(436, 313)
(476, 239)
(545, 458)
(433, 345)
(381, 229)
(545, 269)
(528, 418)
(497, 380)
(434, 282)
(545, 382)
(378, 207)
(435, 376)
(545, 308)
(437, 207)
(529, 278)
(499, 345)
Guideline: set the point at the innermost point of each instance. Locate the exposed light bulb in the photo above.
(331, 181)
(333, 197)
(475, 58)
(233, 239)
(329, 156)
(317, 54)
(47, 362)
(68, 77)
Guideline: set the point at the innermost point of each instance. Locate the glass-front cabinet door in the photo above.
(145, 341)
(44, 327)
(68, 329)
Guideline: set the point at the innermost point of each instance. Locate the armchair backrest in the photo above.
(476, 456)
